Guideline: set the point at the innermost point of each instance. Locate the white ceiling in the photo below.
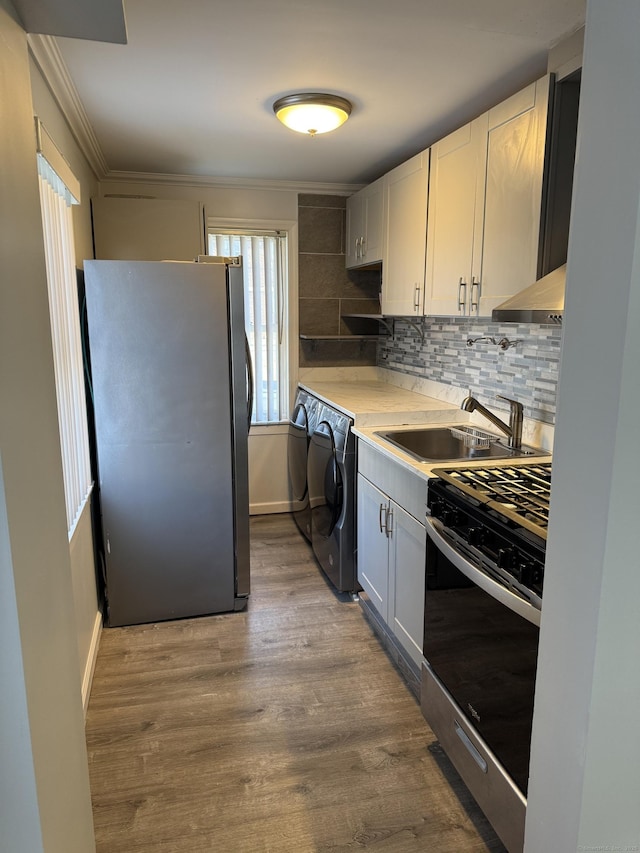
(191, 92)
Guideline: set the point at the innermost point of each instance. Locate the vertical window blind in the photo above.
(56, 199)
(264, 265)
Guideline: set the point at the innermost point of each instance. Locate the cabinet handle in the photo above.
(388, 522)
(462, 296)
(363, 243)
(475, 303)
(416, 298)
(383, 509)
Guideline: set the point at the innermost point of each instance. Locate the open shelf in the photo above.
(387, 322)
(339, 337)
(377, 317)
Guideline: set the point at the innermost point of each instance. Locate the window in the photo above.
(264, 265)
(57, 194)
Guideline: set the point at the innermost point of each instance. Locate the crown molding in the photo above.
(48, 58)
(232, 183)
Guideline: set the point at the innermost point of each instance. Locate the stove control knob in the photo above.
(505, 558)
(436, 508)
(537, 575)
(523, 572)
(476, 536)
(449, 517)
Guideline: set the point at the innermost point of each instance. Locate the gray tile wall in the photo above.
(327, 290)
(527, 372)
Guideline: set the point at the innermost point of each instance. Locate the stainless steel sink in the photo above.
(438, 444)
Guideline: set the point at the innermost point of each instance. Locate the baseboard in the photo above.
(91, 661)
(270, 507)
(407, 668)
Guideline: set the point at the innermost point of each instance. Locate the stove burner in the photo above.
(521, 493)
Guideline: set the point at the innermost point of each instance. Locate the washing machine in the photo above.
(331, 472)
(301, 426)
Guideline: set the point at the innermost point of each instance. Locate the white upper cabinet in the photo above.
(482, 187)
(513, 195)
(364, 234)
(485, 207)
(405, 221)
(456, 191)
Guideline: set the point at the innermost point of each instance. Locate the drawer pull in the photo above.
(473, 752)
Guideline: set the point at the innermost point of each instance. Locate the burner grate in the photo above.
(520, 492)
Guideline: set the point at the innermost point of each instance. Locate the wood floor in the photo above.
(282, 729)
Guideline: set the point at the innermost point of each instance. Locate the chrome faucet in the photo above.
(513, 429)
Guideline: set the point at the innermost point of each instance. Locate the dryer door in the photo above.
(326, 487)
(297, 448)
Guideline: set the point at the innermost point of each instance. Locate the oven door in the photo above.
(481, 642)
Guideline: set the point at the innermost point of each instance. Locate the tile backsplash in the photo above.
(527, 372)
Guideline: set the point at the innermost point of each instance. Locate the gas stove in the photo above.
(496, 518)
(486, 542)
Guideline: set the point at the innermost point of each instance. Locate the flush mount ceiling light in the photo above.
(312, 112)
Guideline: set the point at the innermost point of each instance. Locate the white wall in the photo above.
(83, 573)
(585, 764)
(88, 622)
(49, 750)
(47, 110)
(268, 472)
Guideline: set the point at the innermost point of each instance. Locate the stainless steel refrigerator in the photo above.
(171, 404)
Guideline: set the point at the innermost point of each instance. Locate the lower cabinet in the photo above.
(407, 542)
(392, 546)
(373, 545)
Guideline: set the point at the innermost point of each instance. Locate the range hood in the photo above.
(541, 302)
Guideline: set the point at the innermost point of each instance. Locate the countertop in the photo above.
(374, 404)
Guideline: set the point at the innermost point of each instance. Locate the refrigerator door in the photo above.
(164, 391)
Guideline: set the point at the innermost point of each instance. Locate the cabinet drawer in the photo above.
(493, 790)
(404, 487)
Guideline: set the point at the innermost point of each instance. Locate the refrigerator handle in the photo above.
(249, 382)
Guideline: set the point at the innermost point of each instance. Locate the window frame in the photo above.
(220, 224)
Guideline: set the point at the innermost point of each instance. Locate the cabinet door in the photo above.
(373, 198)
(143, 229)
(513, 195)
(407, 553)
(405, 216)
(373, 545)
(364, 231)
(354, 229)
(456, 191)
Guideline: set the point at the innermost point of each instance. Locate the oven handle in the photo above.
(479, 578)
